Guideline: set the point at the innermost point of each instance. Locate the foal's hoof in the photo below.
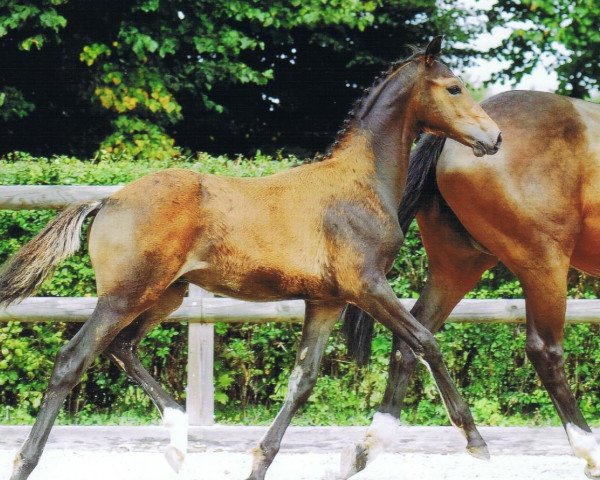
(353, 459)
(480, 451)
(592, 472)
(175, 457)
(254, 476)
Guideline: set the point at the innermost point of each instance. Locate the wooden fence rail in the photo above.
(201, 309)
(50, 197)
(207, 310)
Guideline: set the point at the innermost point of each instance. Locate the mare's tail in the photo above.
(23, 274)
(420, 186)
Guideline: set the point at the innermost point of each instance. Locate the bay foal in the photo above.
(325, 232)
(536, 208)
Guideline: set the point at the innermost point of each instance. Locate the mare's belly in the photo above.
(586, 256)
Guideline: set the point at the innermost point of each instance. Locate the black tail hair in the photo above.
(420, 186)
(358, 330)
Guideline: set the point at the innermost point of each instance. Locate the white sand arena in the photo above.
(423, 453)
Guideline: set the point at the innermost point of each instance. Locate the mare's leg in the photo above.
(381, 303)
(111, 315)
(123, 351)
(545, 286)
(455, 266)
(319, 320)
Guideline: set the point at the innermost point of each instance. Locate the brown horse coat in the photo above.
(326, 232)
(535, 206)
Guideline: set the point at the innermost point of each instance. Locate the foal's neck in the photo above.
(387, 121)
(377, 158)
(391, 153)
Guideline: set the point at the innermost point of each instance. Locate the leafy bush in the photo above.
(252, 362)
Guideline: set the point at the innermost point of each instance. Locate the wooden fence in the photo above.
(201, 310)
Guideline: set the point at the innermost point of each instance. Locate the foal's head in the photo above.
(429, 97)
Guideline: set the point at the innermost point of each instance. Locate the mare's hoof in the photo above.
(481, 452)
(175, 457)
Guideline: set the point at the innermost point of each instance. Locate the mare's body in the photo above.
(536, 208)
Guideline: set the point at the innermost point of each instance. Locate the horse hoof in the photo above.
(254, 477)
(593, 473)
(175, 457)
(481, 452)
(353, 459)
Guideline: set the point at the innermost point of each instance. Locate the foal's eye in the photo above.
(454, 90)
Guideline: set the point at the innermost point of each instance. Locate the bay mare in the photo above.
(325, 232)
(534, 207)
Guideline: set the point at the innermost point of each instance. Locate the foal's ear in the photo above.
(433, 49)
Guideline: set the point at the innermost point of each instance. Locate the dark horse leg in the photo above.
(455, 266)
(545, 287)
(123, 351)
(111, 315)
(319, 320)
(383, 305)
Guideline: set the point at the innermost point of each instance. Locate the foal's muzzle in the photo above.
(481, 148)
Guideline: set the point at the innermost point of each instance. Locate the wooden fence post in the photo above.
(200, 400)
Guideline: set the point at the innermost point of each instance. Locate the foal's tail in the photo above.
(420, 186)
(23, 274)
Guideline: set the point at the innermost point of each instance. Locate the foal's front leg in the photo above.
(319, 320)
(381, 303)
(455, 266)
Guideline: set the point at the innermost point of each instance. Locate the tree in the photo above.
(219, 75)
(568, 32)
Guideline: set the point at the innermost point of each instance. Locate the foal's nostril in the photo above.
(499, 140)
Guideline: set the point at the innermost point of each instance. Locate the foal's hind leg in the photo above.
(545, 290)
(110, 316)
(123, 351)
(319, 321)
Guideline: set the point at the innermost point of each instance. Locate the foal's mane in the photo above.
(360, 102)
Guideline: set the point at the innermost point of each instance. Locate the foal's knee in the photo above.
(541, 352)
(547, 358)
(427, 348)
(406, 359)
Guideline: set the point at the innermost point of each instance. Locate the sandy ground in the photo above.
(71, 465)
(134, 453)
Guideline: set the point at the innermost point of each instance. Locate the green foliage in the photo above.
(152, 71)
(135, 137)
(564, 33)
(13, 104)
(157, 49)
(252, 362)
(40, 15)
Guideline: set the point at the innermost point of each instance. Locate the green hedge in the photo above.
(252, 362)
